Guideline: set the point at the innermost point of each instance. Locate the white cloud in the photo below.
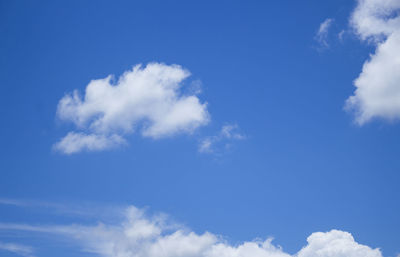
(341, 35)
(230, 131)
(377, 93)
(74, 142)
(206, 145)
(147, 98)
(322, 34)
(335, 243)
(139, 235)
(19, 249)
(375, 19)
(223, 139)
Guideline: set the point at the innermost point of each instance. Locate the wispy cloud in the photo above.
(18, 249)
(221, 141)
(149, 99)
(341, 35)
(322, 34)
(141, 235)
(83, 209)
(75, 142)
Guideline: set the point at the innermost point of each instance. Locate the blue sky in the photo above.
(246, 120)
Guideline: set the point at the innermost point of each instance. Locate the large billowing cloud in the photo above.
(139, 235)
(377, 93)
(148, 99)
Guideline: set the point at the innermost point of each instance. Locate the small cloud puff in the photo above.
(148, 99)
(222, 140)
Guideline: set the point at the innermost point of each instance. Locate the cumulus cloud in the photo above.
(140, 235)
(18, 249)
(335, 243)
(149, 99)
(322, 34)
(222, 140)
(377, 93)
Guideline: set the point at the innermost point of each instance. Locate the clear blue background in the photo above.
(304, 166)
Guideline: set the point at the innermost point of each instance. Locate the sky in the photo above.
(200, 128)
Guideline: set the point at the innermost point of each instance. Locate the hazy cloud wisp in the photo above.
(322, 34)
(222, 140)
(18, 249)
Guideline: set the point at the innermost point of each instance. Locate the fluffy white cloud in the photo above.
(18, 249)
(375, 19)
(377, 93)
(322, 33)
(142, 236)
(146, 98)
(335, 243)
(227, 134)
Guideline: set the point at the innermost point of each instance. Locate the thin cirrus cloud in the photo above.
(222, 141)
(149, 99)
(322, 34)
(141, 235)
(17, 249)
(377, 93)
